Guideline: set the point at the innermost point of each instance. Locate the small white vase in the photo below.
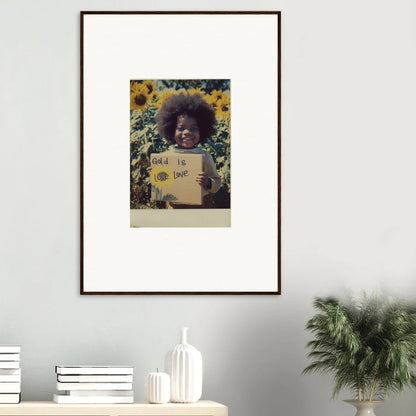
(184, 365)
(364, 407)
(158, 388)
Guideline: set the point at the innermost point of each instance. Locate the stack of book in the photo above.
(94, 384)
(10, 374)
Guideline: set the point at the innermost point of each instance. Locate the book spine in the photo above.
(9, 364)
(10, 398)
(60, 399)
(10, 371)
(93, 370)
(10, 388)
(95, 379)
(11, 378)
(93, 386)
(99, 393)
(10, 349)
(9, 357)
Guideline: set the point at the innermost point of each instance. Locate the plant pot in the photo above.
(364, 407)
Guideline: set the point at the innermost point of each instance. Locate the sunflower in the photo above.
(199, 91)
(223, 110)
(149, 85)
(226, 96)
(135, 86)
(161, 177)
(139, 96)
(165, 94)
(195, 91)
(216, 95)
(212, 101)
(222, 107)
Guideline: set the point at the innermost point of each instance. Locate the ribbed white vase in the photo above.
(184, 365)
(158, 388)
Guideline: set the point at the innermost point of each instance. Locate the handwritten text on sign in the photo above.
(173, 178)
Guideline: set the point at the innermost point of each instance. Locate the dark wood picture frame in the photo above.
(83, 289)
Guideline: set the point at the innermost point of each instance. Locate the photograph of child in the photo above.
(179, 118)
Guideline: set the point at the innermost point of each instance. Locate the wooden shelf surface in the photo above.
(201, 408)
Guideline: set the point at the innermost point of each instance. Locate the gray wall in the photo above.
(348, 204)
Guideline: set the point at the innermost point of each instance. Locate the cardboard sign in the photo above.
(173, 178)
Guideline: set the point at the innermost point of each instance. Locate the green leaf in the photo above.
(369, 346)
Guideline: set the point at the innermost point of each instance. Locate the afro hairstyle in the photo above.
(191, 105)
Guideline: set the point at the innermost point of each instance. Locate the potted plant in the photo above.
(369, 346)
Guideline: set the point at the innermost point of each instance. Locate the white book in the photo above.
(9, 349)
(61, 399)
(10, 388)
(93, 386)
(93, 369)
(99, 392)
(9, 364)
(11, 378)
(9, 357)
(12, 371)
(95, 379)
(12, 398)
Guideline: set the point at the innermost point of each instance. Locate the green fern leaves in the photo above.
(369, 346)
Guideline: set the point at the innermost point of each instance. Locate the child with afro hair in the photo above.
(187, 121)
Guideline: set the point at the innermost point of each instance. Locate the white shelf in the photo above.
(201, 408)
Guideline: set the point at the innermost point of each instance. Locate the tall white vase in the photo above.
(364, 407)
(184, 365)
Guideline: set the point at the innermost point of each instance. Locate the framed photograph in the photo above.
(180, 153)
(166, 162)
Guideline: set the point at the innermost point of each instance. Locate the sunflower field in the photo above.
(146, 97)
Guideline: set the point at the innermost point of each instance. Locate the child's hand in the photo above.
(204, 180)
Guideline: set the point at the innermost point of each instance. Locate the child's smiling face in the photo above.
(187, 132)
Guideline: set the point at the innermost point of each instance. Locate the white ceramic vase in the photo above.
(158, 388)
(184, 365)
(364, 407)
